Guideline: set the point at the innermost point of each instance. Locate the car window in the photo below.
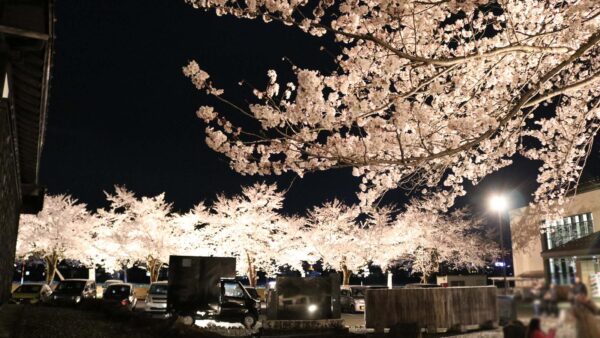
(158, 289)
(344, 292)
(358, 292)
(253, 293)
(28, 289)
(70, 286)
(233, 290)
(117, 292)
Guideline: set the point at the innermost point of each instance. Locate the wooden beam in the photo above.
(24, 33)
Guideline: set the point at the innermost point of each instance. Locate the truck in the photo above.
(206, 288)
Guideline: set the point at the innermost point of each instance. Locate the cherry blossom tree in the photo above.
(384, 237)
(455, 240)
(61, 230)
(426, 94)
(116, 246)
(140, 229)
(332, 232)
(248, 227)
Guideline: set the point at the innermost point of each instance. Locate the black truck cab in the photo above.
(206, 288)
(236, 304)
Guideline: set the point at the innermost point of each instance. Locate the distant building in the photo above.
(570, 248)
(26, 40)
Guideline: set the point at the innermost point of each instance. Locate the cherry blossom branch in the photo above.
(456, 60)
(564, 90)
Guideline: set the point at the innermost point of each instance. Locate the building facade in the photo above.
(26, 40)
(560, 249)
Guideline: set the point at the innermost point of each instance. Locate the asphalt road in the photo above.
(354, 320)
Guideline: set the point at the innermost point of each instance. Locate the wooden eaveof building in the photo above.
(26, 48)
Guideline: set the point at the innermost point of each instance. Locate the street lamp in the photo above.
(499, 204)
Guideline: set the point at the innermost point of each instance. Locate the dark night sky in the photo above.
(121, 112)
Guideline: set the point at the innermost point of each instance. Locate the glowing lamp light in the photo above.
(312, 308)
(498, 203)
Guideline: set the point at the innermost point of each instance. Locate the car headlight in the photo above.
(77, 299)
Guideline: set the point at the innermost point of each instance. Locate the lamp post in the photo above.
(499, 204)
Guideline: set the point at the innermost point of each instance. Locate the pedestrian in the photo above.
(584, 311)
(538, 293)
(578, 288)
(535, 330)
(551, 300)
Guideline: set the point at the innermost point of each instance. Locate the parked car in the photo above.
(120, 295)
(108, 283)
(74, 291)
(156, 299)
(352, 298)
(31, 294)
(112, 281)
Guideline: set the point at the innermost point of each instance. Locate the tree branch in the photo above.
(563, 90)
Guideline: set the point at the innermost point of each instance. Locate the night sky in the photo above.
(121, 112)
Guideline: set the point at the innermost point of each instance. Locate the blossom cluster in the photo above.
(427, 95)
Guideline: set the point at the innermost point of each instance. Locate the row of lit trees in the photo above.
(250, 227)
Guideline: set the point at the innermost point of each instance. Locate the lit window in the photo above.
(5, 87)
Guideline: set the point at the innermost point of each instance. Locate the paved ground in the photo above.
(30, 321)
(41, 321)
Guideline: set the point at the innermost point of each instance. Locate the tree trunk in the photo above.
(51, 268)
(153, 265)
(252, 277)
(425, 278)
(125, 273)
(346, 275)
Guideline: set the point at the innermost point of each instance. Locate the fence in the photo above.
(432, 308)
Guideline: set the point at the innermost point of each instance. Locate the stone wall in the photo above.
(9, 202)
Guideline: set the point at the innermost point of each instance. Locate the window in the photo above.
(158, 289)
(70, 286)
(117, 292)
(28, 288)
(233, 290)
(5, 87)
(567, 229)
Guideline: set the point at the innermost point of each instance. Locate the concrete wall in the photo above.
(527, 242)
(9, 202)
(525, 225)
(586, 202)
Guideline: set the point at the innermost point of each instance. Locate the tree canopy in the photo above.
(426, 96)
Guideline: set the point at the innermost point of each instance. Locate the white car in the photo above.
(352, 297)
(156, 300)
